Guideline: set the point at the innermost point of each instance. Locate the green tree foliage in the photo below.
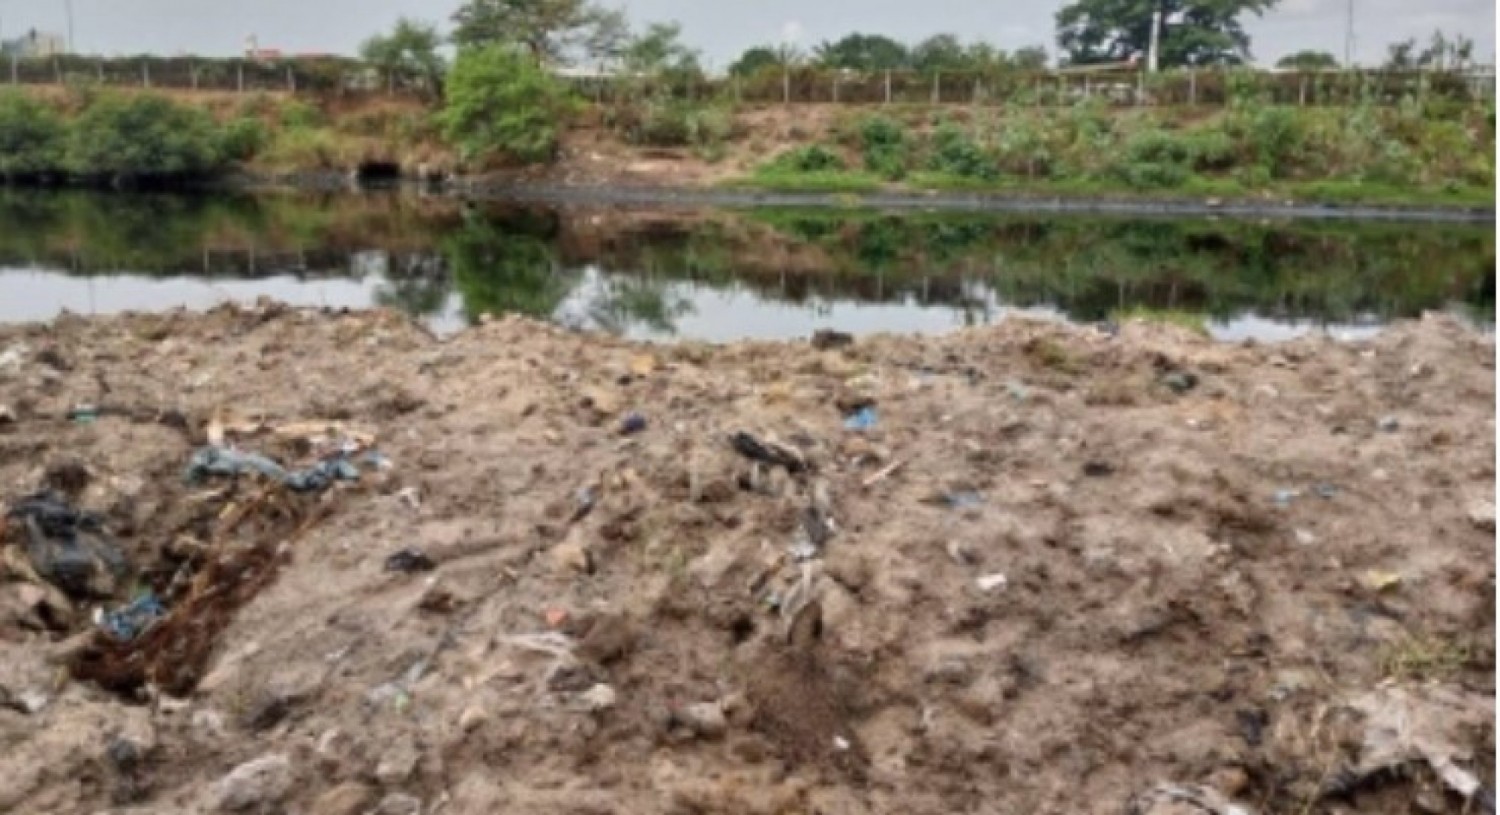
(862, 52)
(1029, 58)
(1194, 32)
(659, 49)
(500, 103)
(941, 52)
(143, 137)
(761, 57)
(1442, 53)
(411, 48)
(508, 266)
(31, 137)
(550, 30)
(885, 147)
(1308, 61)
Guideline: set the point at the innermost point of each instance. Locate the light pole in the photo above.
(1349, 38)
(68, 5)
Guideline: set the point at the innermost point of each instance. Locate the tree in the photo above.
(1193, 32)
(126, 138)
(411, 49)
(761, 57)
(659, 49)
(1030, 58)
(1308, 61)
(862, 52)
(942, 52)
(501, 103)
(547, 29)
(1440, 54)
(31, 136)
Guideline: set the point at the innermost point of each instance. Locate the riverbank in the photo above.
(1032, 568)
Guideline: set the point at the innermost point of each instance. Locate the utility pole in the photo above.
(1153, 55)
(1349, 38)
(68, 4)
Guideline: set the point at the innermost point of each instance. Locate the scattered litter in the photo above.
(883, 474)
(1389, 424)
(1168, 799)
(632, 424)
(964, 499)
(378, 460)
(600, 698)
(1382, 581)
(129, 622)
(863, 419)
(221, 461)
(1017, 391)
(7, 416)
(584, 501)
(69, 548)
(1304, 537)
(825, 339)
(768, 453)
(1098, 469)
(991, 582)
(1284, 498)
(841, 744)
(1180, 382)
(815, 530)
(1326, 491)
(555, 617)
(1482, 515)
(84, 414)
(409, 561)
(1431, 725)
(411, 496)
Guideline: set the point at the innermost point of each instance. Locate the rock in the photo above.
(601, 401)
(609, 639)
(1482, 515)
(824, 339)
(1389, 424)
(399, 803)
(705, 719)
(255, 784)
(472, 718)
(991, 582)
(397, 763)
(348, 798)
(572, 557)
(600, 698)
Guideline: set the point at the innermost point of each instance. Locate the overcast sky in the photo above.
(720, 29)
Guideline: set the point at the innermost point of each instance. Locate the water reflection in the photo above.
(723, 275)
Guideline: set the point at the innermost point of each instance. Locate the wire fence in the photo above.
(1183, 87)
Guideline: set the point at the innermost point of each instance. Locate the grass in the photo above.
(1192, 321)
(1424, 658)
(779, 180)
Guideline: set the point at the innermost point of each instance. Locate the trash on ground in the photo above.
(408, 561)
(767, 453)
(1326, 491)
(584, 501)
(130, 621)
(225, 462)
(883, 474)
(1098, 469)
(815, 530)
(632, 424)
(963, 499)
(1382, 581)
(1180, 382)
(1284, 498)
(825, 339)
(1171, 799)
(1434, 725)
(991, 582)
(84, 414)
(68, 548)
(1389, 424)
(863, 419)
(1017, 391)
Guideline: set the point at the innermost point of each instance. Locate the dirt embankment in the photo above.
(1058, 571)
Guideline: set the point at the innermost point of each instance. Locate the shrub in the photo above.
(884, 144)
(31, 137)
(1276, 137)
(241, 139)
(143, 137)
(297, 113)
(814, 158)
(955, 153)
(501, 103)
(1211, 149)
(1154, 159)
(1025, 148)
(668, 123)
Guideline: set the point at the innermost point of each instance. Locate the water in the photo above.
(726, 275)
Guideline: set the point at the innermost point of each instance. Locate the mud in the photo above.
(1223, 565)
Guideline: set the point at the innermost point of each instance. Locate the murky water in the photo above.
(725, 275)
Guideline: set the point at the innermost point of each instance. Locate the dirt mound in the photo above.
(1029, 568)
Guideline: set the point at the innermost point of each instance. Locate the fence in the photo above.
(1205, 87)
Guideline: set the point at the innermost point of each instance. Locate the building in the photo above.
(34, 45)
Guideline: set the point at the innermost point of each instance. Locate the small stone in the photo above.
(599, 698)
(570, 556)
(705, 719)
(472, 718)
(7, 416)
(1482, 515)
(642, 364)
(1304, 537)
(349, 798)
(601, 401)
(399, 803)
(398, 763)
(1389, 424)
(991, 582)
(255, 784)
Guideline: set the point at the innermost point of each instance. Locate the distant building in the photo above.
(34, 45)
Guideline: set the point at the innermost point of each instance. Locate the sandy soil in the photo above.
(1263, 574)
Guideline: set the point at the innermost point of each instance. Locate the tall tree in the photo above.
(411, 48)
(550, 30)
(1309, 61)
(1030, 58)
(862, 52)
(761, 57)
(1193, 32)
(941, 52)
(659, 48)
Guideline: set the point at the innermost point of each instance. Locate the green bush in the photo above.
(1154, 159)
(501, 103)
(1025, 148)
(241, 139)
(814, 158)
(295, 114)
(143, 137)
(669, 123)
(885, 149)
(956, 154)
(32, 137)
(1276, 136)
(1211, 149)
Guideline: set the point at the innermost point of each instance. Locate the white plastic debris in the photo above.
(992, 582)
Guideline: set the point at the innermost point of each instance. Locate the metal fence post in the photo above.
(835, 89)
(145, 74)
(1192, 86)
(1302, 91)
(57, 69)
(1140, 89)
(888, 86)
(291, 80)
(241, 76)
(99, 68)
(193, 71)
(786, 86)
(15, 77)
(937, 87)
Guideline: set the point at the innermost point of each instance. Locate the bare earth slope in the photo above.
(1224, 567)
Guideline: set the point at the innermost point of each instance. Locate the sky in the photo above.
(721, 29)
